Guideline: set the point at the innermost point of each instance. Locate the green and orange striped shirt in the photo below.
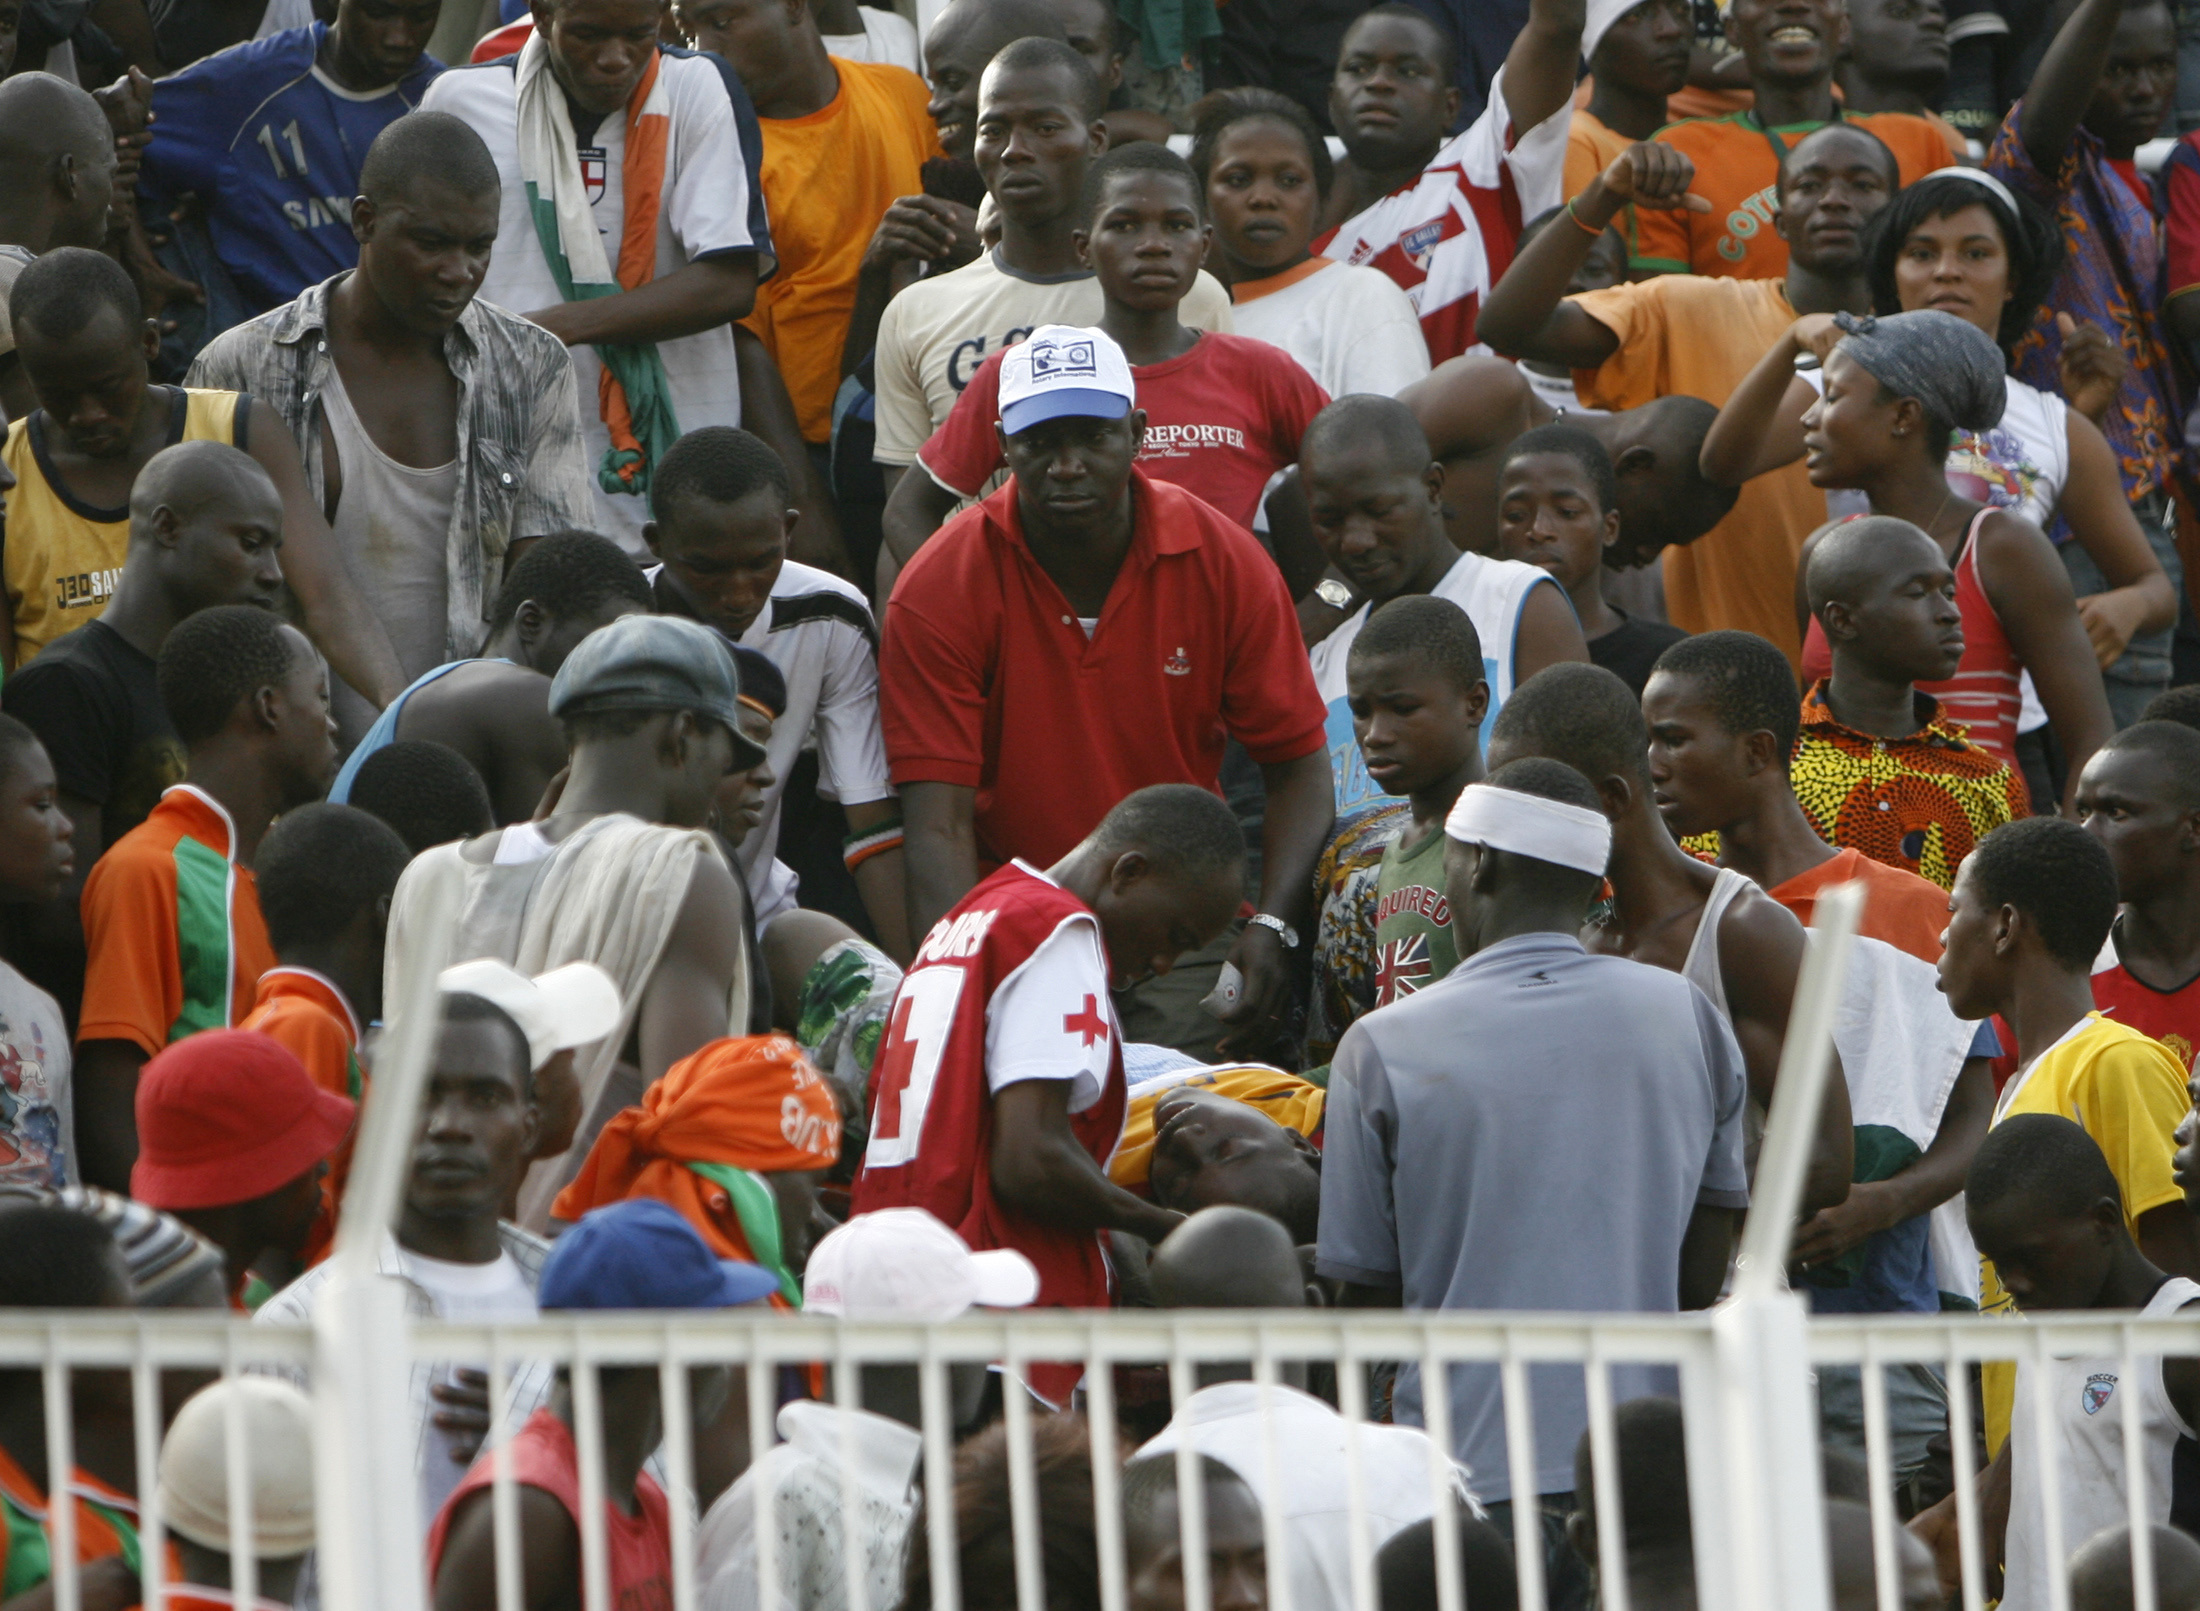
(174, 942)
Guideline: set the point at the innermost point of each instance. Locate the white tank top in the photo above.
(2086, 1418)
(1701, 969)
(1494, 595)
(393, 527)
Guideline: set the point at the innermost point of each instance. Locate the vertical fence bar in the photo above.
(503, 1489)
(938, 1416)
(244, 1560)
(1106, 1488)
(854, 1547)
(1023, 1482)
(1191, 1485)
(1443, 1496)
(1352, 1401)
(2050, 1485)
(1879, 1469)
(1969, 1550)
(60, 1476)
(763, 1429)
(145, 1429)
(680, 1496)
(1275, 1541)
(1520, 1456)
(1613, 1587)
(2135, 1482)
(587, 1389)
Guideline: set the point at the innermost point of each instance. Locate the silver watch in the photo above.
(1333, 593)
(1284, 931)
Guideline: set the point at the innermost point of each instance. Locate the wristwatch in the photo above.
(1333, 593)
(1284, 931)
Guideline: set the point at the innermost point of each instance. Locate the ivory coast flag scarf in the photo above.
(632, 393)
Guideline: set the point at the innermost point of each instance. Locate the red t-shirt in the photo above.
(1220, 421)
(2181, 221)
(638, 1547)
(987, 680)
(2170, 1016)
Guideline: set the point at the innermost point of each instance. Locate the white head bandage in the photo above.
(1529, 825)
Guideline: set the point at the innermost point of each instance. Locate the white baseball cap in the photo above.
(902, 1264)
(566, 1007)
(277, 1425)
(1063, 370)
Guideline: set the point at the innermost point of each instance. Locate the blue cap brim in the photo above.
(745, 1283)
(1082, 402)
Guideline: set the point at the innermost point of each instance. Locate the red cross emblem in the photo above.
(1088, 1023)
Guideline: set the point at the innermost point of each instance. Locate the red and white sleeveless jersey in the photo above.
(1011, 985)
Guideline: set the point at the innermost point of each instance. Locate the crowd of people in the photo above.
(1184, 656)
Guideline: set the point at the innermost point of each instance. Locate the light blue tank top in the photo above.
(384, 731)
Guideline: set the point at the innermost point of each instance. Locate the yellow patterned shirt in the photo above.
(1918, 803)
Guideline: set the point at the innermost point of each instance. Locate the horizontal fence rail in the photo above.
(1716, 1358)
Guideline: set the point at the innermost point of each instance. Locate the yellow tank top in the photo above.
(62, 557)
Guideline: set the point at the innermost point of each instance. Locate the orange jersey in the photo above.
(1737, 170)
(173, 938)
(1686, 335)
(850, 159)
(310, 1016)
(106, 1525)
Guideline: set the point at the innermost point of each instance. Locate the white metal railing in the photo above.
(1720, 1365)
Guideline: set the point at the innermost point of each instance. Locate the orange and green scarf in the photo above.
(632, 392)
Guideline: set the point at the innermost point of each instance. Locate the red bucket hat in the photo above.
(226, 1116)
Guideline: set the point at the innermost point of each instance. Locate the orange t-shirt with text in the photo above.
(1737, 170)
(1686, 335)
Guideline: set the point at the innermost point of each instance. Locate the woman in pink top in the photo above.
(1896, 388)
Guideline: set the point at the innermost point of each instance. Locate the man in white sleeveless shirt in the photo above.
(436, 429)
(1377, 497)
(2045, 1207)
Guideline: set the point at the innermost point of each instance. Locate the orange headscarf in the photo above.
(753, 1103)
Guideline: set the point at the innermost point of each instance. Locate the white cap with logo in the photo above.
(1061, 371)
(902, 1264)
(564, 1008)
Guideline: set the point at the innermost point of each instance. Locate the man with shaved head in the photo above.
(2102, 1576)
(57, 176)
(1234, 1258)
(1377, 498)
(382, 373)
(2140, 796)
(205, 527)
(1876, 768)
(269, 137)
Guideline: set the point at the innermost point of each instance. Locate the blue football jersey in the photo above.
(272, 147)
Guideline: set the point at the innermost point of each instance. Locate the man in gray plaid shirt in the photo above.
(436, 429)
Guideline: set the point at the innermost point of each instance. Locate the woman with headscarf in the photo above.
(735, 1137)
(1961, 241)
(1897, 389)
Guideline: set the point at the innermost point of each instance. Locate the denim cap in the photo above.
(641, 1254)
(655, 662)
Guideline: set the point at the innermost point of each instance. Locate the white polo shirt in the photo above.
(711, 208)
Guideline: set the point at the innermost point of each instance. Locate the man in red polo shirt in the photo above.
(1083, 633)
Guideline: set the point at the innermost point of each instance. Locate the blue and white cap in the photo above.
(1061, 371)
